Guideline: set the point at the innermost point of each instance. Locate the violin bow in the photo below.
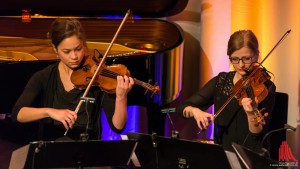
(128, 13)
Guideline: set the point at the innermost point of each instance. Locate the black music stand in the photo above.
(178, 153)
(251, 159)
(73, 154)
(145, 151)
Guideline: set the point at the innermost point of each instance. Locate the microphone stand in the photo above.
(174, 132)
(85, 136)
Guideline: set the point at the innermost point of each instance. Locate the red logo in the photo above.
(285, 153)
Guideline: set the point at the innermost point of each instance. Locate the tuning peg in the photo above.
(149, 82)
(266, 113)
(259, 118)
(146, 92)
(156, 84)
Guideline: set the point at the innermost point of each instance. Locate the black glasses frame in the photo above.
(245, 59)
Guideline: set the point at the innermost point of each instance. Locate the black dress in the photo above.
(232, 124)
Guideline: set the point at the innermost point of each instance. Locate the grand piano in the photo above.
(148, 45)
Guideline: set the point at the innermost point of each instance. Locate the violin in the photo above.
(106, 79)
(253, 87)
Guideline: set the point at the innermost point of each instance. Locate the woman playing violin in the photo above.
(237, 123)
(50, 96)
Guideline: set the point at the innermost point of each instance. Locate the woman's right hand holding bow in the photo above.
(202, 118)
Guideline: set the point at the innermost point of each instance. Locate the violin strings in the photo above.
(146, 85)
(109, 73)
(112, 74)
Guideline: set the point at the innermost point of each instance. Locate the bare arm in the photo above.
(120, 116)
(29, 114)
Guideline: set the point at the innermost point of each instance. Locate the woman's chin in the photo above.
(242, 73)
(73, 66)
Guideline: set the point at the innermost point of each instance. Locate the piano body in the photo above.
(148, 45)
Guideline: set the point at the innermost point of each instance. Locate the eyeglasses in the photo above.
(245, 59)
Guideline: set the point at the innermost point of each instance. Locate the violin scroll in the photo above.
(259, 118)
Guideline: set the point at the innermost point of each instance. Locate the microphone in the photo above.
(286, 127)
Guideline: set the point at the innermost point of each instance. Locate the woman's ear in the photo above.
(55, 50)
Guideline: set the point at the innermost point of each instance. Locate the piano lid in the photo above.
(91, 8)
(143, 35)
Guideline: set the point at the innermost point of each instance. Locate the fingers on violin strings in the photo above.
(244, 101)
(120, 80)
(131, 81)
(256, 100)
(126, 80)
(250, 108)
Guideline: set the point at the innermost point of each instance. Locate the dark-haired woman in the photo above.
(51, 98)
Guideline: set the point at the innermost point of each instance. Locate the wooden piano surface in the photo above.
(19, 48)
(40, 49)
